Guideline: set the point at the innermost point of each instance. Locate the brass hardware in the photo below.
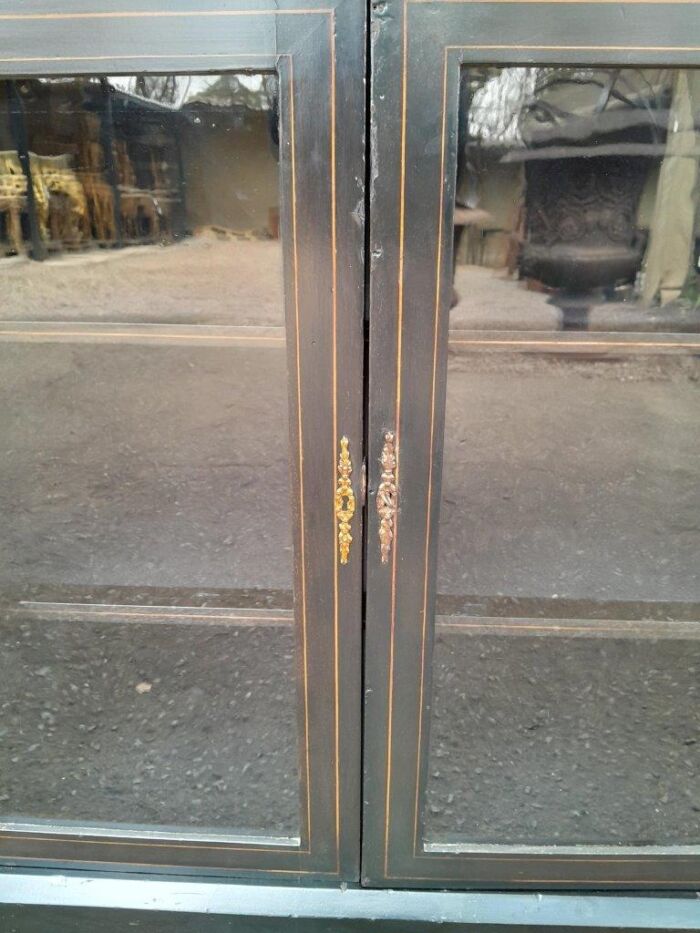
(344, 501)
(386, 497)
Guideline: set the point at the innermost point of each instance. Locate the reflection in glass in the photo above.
(547, 737)
(191, 167)
(148, 662)
(577, 199)
(567, 653)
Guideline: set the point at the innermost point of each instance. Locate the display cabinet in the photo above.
(182, 341)
(349, 372)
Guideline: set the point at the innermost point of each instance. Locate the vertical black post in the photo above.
(108, 149)
(462, 157)
(180, 212)
(18, 127)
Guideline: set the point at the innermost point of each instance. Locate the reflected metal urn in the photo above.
(581, 230)
(590, 138)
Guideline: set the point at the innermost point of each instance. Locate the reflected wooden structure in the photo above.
(104, 163)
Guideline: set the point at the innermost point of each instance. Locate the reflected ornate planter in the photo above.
(581, 230)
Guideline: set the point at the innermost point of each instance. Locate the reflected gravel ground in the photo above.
(577, 479)
(167, 467)
(147, 467)
(565, 740)
(174, 725)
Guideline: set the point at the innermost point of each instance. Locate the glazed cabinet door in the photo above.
(181, 355)
(533, 627)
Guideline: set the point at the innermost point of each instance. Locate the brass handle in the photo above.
(386, 497)
(344, 501)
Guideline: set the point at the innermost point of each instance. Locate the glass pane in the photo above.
(565, 671)
(541, 737)
(576, 200)
(146, 553)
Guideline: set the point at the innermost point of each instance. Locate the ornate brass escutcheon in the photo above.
(344, 501)
(386, 497)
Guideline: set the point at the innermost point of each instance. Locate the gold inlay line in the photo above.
(159, 14)
(560, 2)
(574, 48)
(574, 344)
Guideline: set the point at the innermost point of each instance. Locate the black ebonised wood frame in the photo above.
(318, 50)
(418, 47)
